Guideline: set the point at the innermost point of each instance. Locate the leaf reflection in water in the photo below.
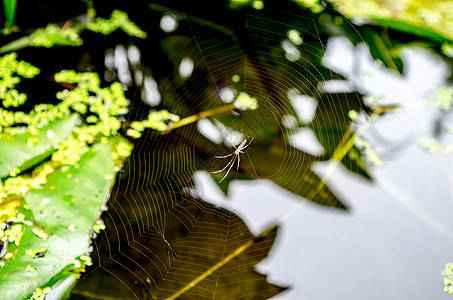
(212, 256)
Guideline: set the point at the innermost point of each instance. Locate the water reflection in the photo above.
(186, 68)
(162, 239)
(168, 22)
(389, 247)
(161, 244)
(169, 231)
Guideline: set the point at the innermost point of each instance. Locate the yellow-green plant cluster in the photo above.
(53, 34)
(447, 272)
(98, 107)
(118, 20)
(68, 35)
(157, 120)
(10, 72)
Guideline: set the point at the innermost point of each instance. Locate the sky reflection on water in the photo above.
(394, 243)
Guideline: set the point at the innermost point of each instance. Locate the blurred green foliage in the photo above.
(9, 7)
(431, 19)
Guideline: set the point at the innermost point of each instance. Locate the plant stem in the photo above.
(346, 143)
(16, 45)
(204, 114)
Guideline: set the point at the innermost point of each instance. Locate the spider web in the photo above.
(158, 241)
(162, 240)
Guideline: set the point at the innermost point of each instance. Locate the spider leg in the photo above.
(225, 156)
(248, 144)
(230, 162)
(229, 169)
(239, 160)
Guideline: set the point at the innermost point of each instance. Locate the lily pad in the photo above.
(25, 150)
(65, 210)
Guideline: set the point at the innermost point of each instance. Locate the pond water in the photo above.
(398, 235)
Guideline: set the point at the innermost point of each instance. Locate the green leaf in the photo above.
(10, 11)
(415, 29)
(25, 150)
(428, 19)
(381, 49)
(76, 196)
(331, 122)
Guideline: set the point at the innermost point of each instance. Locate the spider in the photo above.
(235, 154)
